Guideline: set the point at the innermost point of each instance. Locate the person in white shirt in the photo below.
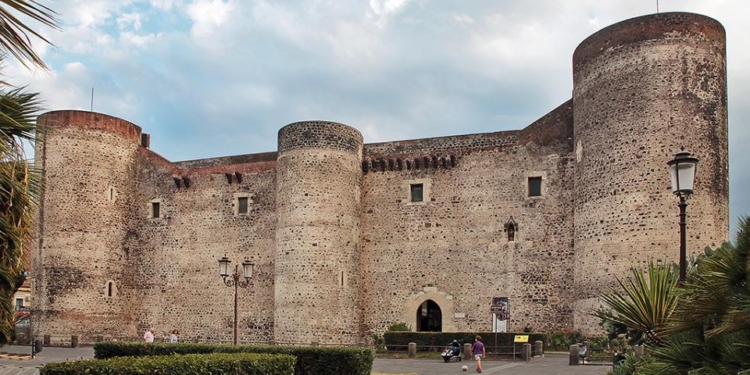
(149, 335)
(173, 336)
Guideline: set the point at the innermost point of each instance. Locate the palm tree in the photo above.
(643, 305)
(19, 182)
(19, 187)
(710, 332)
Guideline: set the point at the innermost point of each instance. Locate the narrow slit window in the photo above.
(417, 192)
(109, 289)
(535, 186)
(155, 208)
(242, 205)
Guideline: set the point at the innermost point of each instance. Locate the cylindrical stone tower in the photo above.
(318, 184)
(88, 170)
(643, 89)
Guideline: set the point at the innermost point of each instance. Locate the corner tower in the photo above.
(318, 184)
(644, 88)
(88, 169)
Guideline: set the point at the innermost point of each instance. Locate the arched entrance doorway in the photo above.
(429, 317)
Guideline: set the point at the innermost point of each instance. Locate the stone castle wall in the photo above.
(454, 242)
(319, 179)
(664, 80)
(89, 177)
(341, 251)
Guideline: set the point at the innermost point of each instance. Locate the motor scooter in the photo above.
(452, 353)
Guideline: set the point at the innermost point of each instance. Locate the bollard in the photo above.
(526, 352)
(74, 341)
(574, 355)
(539, 348)
(467, 352)
(412, 350)
(47, 339)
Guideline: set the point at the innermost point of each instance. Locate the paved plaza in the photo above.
(552, 364)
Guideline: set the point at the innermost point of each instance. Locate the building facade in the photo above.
(349, 237)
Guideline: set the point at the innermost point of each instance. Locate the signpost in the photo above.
(500, 309)
(519, 339)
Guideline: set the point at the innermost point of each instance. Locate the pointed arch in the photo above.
(444, 302)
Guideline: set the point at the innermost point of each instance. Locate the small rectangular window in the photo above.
(242, 205)
(19, 303)
(535, 186)
(154, 209)
(417, 192)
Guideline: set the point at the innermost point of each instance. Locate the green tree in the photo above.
(19, 182)
(710, 330)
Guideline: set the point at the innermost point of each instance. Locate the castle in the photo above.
(348, 237)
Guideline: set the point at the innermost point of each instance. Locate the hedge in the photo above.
(212, 363)
(310, 360)
(400, 340)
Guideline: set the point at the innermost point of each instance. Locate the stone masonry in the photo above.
(349, 237)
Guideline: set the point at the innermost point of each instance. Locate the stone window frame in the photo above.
(236, 203)
(151, 204)
(543, 188)
(426, 191)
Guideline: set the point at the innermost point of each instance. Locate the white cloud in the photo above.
(208, 15)
(394, 69)
(129, 20)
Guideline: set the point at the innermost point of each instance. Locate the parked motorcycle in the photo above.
(452, 353)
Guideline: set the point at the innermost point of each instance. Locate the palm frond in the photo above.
(14, 34)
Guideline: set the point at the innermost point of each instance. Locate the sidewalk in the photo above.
(48, 355)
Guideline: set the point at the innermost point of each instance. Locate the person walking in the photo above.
(478, 351)
(149, 335)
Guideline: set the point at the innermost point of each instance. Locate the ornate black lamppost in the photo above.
(234, 281)
(682, 170)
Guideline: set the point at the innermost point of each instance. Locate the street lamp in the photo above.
(682, 171)
(234, 281)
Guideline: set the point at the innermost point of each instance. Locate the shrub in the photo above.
(214, 363)
(310, 360)
(399, 327)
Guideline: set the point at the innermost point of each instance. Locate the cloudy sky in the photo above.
(219, 77)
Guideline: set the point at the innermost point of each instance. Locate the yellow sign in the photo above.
(521, 338)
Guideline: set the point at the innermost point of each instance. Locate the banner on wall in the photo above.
(501, 308)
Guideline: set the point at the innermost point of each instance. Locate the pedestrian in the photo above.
(477, 350)
(173, 336)
(149, 335)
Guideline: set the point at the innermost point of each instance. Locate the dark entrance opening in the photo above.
(429, 317)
